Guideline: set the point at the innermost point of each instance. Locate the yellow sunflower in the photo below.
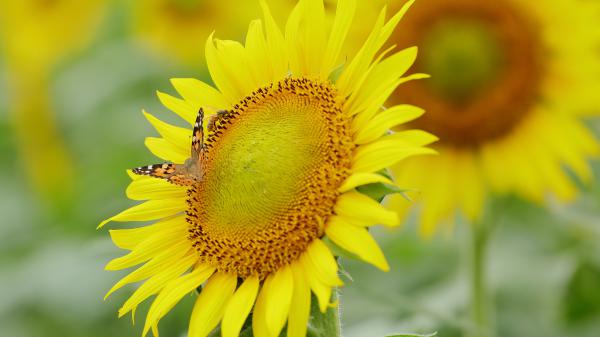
(167, 25)
(511, 81)
(246, 202)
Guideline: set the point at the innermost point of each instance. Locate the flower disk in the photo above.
(272, 171)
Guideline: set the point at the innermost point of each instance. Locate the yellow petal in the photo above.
(359, 179)
(415, 137)
(381, 77)
(321, 290)
(295, 40)
(322, 263)
(155, 266)
(300, 306)
(343, 19)
(362, 61)
(279, 289)
(384, 153)
(259, 315)
(347, 83)
(386, 120)
(166, 151)
(314, 29)
(239, 307)
(152, 188)
(257, 53)
(149, 210)
(182, 108)
(378, 99)
(153, 246)
(199, 94)
(180, 137)
(356, 240)
(130, 238)
(158, 281)
(211, 304)
(364, 210)
(227, 65)
(173, 292)
(275, 41)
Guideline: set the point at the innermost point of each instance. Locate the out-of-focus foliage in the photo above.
(544, 265)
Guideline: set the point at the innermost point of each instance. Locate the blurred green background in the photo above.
(543, 268)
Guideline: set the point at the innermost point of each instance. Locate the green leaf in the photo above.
(415, 335)
(582, 297)
(378, 191)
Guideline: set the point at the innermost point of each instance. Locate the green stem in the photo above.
(480, 301)
(325, 324)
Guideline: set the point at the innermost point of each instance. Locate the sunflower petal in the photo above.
(173, 292)
(182, 108)
(157, 282)
(239, 307)
(276, 42)
(356, 240)
(359, 179)
(130, 238)
(211, 304)
(364, 210)
(300, 306)
(147, 188)
(257, 53)
(384, 153)
(199, 94)
(166, 150)
(279, 290)
(322, 263)
(155, 266)
(227, 64)
(321, 290)
(386, 120)
(149, 210)
(180, 137)
(341, 24)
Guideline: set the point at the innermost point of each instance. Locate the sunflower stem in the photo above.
(325, 324)
(480, 300)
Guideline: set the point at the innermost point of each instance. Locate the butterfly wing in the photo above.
(173, 173)
(197, 136)
(189, 172)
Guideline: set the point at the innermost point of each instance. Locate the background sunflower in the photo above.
(544, 266)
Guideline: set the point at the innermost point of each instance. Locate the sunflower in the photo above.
(166, 25)
(511, 82)
(270, 171)
(38, 33)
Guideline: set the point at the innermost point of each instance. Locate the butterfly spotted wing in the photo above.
(178, 174)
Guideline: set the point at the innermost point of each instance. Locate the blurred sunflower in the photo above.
(36, 35)
(167, 25)
(511, 81)
(285, 150)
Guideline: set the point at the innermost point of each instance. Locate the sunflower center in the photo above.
(187, 10)
(271, 172)
(485, 62)
(465, 57)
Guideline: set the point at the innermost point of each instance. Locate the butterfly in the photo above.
(190, 171)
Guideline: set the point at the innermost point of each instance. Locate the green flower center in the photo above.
(272, 169)
(465, 56)
(261, 163)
